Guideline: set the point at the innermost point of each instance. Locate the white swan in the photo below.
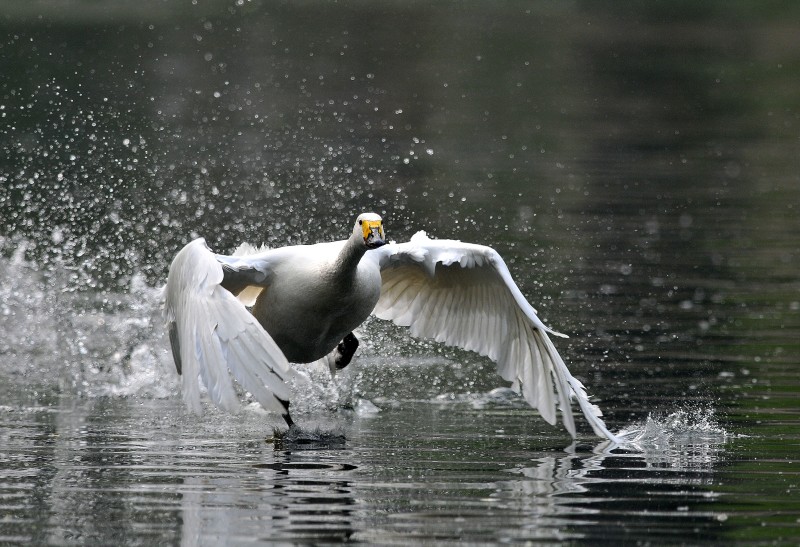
(307, 299)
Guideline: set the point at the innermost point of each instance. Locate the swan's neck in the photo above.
(348, 259)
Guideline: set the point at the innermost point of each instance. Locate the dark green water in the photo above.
(636, 167)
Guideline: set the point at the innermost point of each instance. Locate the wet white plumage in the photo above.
(306, 298)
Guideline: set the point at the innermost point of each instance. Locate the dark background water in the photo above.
(636, 166)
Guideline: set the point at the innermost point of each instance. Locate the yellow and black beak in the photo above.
(373, 233)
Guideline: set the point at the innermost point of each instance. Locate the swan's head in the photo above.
(369, 228)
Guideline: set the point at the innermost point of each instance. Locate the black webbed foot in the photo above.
(297, 438)
(345, 351)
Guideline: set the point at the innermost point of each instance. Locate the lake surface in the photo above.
(637, 168)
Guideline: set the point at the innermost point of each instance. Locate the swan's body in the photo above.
(306, 301)
(311, 281)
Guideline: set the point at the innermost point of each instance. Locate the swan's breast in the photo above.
(308, 312)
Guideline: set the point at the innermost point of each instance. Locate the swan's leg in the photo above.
(287, 417)
(345, 351)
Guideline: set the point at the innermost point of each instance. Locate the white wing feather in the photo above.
(213, 333)
(463, 295)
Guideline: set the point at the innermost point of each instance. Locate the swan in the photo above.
(250, 315)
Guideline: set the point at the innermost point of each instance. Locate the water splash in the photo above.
(686, 439)
(58, 340)
(686, 423)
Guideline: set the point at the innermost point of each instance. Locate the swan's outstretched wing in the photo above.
(463, 295)
(211, 331)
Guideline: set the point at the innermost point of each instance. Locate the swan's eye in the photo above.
(360, 222)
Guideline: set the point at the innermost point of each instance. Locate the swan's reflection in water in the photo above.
(554, 493)
(295, 497)
(100, 479)
(669, 460)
